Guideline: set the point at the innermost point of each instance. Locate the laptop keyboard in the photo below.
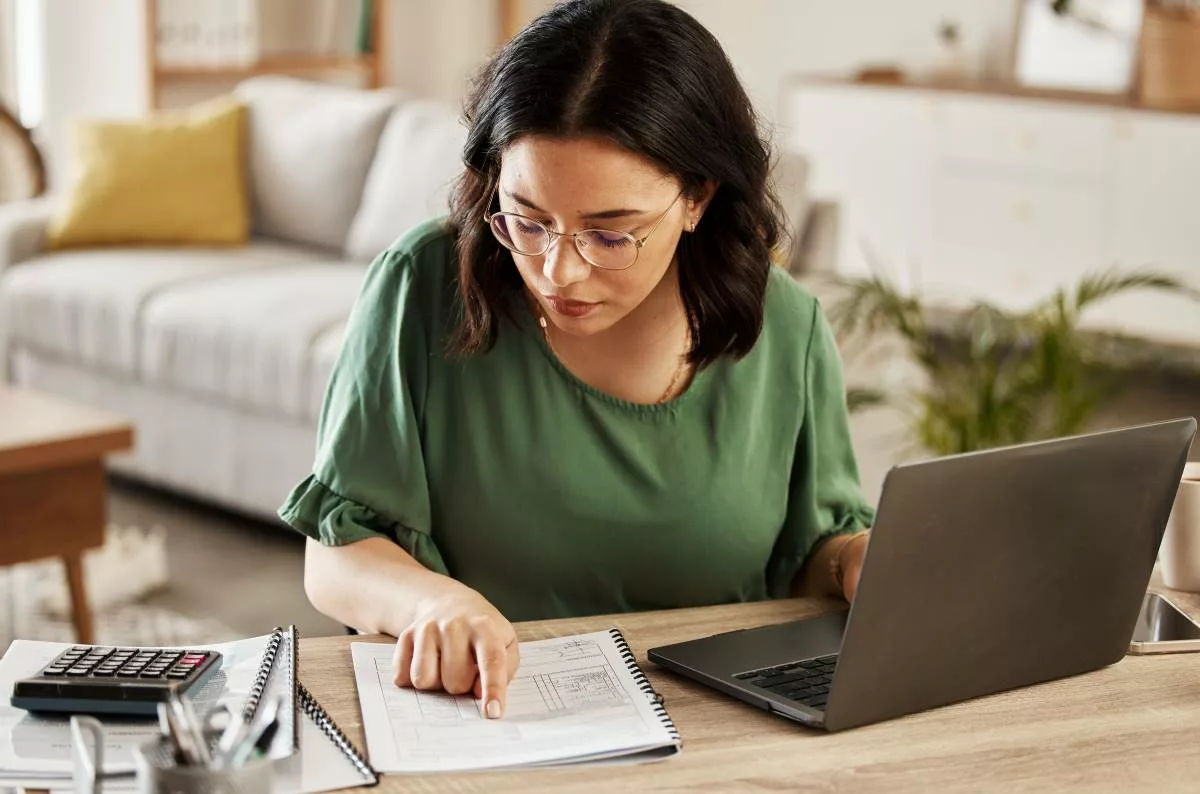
(805, 682)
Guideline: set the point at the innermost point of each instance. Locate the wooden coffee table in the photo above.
(53, 497)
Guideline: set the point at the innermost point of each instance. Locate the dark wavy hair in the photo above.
(648, 77)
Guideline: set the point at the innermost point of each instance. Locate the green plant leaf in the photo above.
(996, 377)
(858, 398)
(1097, 287)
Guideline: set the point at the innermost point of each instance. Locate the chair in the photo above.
(22, 169)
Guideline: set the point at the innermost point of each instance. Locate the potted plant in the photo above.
(995, 377)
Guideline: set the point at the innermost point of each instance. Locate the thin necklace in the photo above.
(667, 395)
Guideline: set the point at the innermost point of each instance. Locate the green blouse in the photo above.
(553, 499)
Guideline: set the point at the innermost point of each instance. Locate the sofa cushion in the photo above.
(310, 146)
(246, 340)
(418, 158)
(83, 306)
(174, 177)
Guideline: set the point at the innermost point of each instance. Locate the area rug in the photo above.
(121, 576)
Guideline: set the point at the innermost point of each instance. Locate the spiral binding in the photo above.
(250, 708)
(330, 728)
(293, 681)
(643, 683)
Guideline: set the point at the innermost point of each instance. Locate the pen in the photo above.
(192, 740)
(233, 735)
(197, 730)
(263, 745)
(167, 728)
(254, 739)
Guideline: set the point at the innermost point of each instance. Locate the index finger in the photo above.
(491, 657)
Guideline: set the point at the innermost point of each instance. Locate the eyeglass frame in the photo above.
(552, 236)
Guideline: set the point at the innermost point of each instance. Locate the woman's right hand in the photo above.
(458, 642)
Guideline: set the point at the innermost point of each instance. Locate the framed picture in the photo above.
(1078, 45)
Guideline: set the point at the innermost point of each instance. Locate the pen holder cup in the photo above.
(157, 773)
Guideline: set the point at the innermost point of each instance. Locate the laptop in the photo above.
(986, 571)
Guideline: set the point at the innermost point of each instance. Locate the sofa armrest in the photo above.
(816, 247)
(23, 227)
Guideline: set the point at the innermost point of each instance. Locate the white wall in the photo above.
(8, 72)
(95, 54)
(436, 47)
(94, 65)
(767, 40)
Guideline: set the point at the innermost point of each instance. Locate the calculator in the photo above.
(89, 679)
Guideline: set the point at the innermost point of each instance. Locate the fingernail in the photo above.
(493, 709)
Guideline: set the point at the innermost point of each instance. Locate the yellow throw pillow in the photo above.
(174, 178)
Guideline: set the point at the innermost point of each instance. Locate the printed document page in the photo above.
(574, 699)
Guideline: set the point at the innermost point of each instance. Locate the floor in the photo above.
(245, 573)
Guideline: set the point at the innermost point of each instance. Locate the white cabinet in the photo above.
(969, 196)
(1008, 240)
(854, 162)
(1154, 217)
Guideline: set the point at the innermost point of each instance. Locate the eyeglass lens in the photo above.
(604, 249)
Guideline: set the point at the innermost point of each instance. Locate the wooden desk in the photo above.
(52, 484)
(1133, 725)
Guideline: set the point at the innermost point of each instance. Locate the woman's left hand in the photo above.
(850, 562)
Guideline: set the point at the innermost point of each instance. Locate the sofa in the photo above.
(220, 356)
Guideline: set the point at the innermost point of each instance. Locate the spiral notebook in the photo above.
(313, 753)
(276, 677)
(578, 699)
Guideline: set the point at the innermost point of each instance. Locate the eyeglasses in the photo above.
(602, 248)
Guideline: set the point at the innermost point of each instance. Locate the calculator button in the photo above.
(54, 671)
(75, 672)
(104, 673)
(179, 675)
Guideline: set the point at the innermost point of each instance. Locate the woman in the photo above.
(588, 391)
